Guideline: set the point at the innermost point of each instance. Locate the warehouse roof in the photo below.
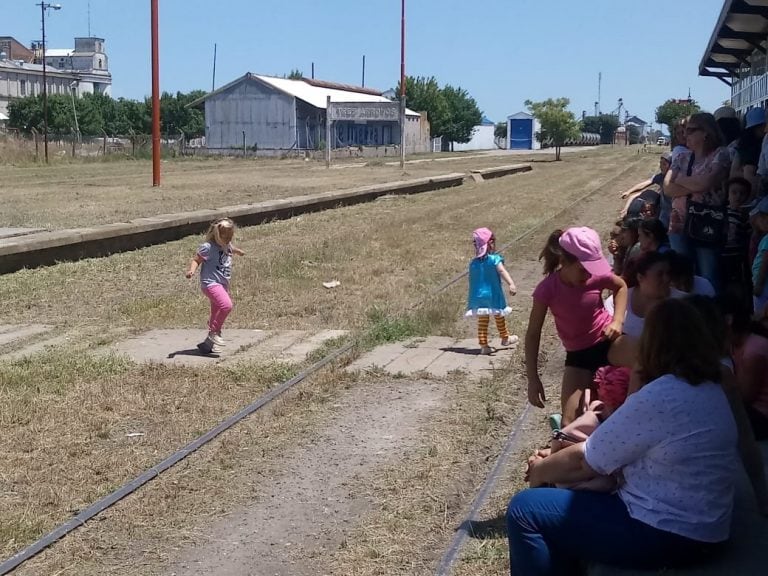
(313, 92)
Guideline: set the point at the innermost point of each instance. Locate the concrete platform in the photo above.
(50, 247)
(499, 171)
(14, 232)
(178, 347)
(436, 356)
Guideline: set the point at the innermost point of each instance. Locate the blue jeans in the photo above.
(679, 243)
(552, 531)
(707, 261)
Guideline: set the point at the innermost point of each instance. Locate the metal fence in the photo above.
(16, 146)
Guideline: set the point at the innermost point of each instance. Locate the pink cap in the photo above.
(584, 244)
(481, 237)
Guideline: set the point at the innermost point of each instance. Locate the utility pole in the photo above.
(599, 91)
(402, 86)
(155, 94)
(43, 7)
(213, 84)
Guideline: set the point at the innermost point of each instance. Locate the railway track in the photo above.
(454, 549)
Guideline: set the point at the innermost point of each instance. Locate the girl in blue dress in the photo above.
(486, 293)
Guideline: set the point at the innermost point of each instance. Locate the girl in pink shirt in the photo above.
(576, 274)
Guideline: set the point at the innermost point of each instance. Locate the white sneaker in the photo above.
(510, 341)
(485, 351)
(216, 339)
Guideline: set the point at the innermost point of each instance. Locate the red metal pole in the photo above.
(155, 97)
(402, 52)
(402, 87)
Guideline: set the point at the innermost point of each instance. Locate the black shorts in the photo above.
(590, 358)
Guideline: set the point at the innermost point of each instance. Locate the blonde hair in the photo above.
(214, 230)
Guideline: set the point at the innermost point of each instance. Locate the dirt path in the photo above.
(313, 504)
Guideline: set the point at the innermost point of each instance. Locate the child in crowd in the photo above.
(645, 203)
(625, 246)
(652, 236)
(759, 218)
(486, 293)
(685, 279)
(737, 279)
(576, 275)
(214, 258)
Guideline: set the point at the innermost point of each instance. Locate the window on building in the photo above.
(100, 63)
(23, 87)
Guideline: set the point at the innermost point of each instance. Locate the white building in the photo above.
(482, 138)
(84, 70)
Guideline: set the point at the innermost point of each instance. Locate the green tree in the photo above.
(674, 110)
(558, 124)
(604, 124)
(296, 74)
(500, 134)
(500, 131)
(463, 115)
(424, 95)
(26, 114)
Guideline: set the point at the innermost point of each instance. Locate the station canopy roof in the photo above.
(741, 29)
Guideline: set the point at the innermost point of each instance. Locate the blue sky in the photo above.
(502, 51)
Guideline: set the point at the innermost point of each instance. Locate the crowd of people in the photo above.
(671, 337)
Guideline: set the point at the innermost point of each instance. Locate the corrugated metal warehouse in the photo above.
(268, 114)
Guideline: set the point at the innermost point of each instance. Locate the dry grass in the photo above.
(386, 256)
(69, 412)
(84, 194)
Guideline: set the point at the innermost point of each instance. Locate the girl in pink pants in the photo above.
(214, 258)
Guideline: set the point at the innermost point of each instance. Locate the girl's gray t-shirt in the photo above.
(217, 264)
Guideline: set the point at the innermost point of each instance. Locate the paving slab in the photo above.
(178, 347)
(271, 348)
(437, 356)
(299, 351)
(379, 357)
(12, 333)
(417, 359)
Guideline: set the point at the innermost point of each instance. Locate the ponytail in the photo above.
(553, 255)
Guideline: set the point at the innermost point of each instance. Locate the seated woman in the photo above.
(749, 348)
(650, 285)
(674, 444)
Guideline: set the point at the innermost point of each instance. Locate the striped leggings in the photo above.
(482, 328)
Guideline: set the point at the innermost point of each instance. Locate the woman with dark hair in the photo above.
(649, 284)
(700, 175)
(674, 506)
(730, 125)
(748, 148)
